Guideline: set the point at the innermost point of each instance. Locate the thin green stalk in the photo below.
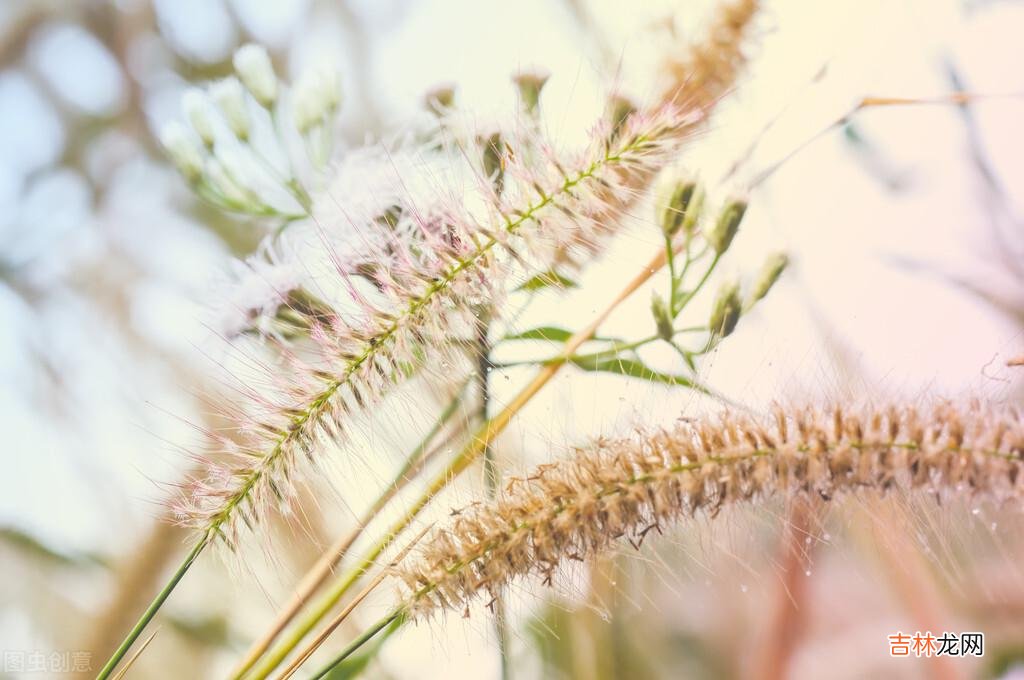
(492, 477)
(670, 257)
(396, 617)
(153, 608)
(700, 284)
(612, 349)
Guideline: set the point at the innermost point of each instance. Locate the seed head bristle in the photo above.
(709, 68)
(433, 251)
(622, 489)
(413, 247)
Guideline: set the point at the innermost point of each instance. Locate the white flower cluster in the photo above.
(232, 150)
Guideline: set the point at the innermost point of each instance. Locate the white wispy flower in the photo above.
(260, 286)
(199, 113)
(229, 96)
(252, 63)
(224, 182)
(317, 95)
(182, 149)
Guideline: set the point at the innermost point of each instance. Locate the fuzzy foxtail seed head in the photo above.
(623, 488)
(413, 247)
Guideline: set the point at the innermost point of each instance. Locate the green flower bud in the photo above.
(662, 317)
(233, 193)
(494, 160)
(679, 203)
(440, 100)
(721, 234)
(530, 84)
(770, 272)
(620, 108)
(725, 313)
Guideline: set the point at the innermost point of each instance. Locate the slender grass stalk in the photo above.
(951, 99)
(324, 567)
(131, 661)
(138, 576)
(773, 658)
(492, 478)
(484, 436)
(395, 617)
(153, 608)
(348, 609)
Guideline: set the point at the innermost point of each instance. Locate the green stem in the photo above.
(153, 608)
(492, 477)
(613, 349)
(397, 617)
(324, 605)
(670, 257)
(700, 284)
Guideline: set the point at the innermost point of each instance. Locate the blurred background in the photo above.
(904, 225)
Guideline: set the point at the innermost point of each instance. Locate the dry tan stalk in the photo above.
(348, 609)
(772, 660)
(135, 657)
(627, 488)
(911, 580)
(325, 564)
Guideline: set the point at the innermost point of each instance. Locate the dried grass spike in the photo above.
(624, 488)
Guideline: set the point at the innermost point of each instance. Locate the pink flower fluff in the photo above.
(404, 247)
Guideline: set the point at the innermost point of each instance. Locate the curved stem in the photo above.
(700, 284)
(349, 608)
(396, 616)
(153, 608)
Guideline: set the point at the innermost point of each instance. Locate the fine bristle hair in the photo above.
(625, 488)
(415, 256)
(427, 269)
